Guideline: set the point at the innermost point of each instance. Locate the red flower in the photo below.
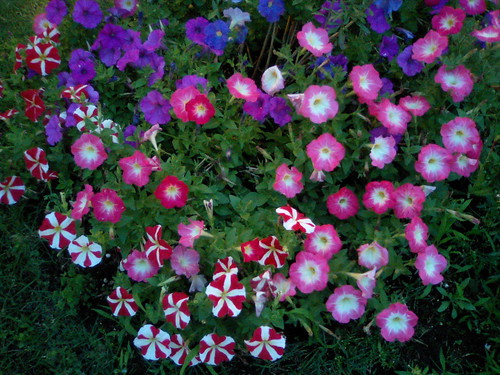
(294, 220)
(172, 192)
(84, 112)
(273, 253)
(215, 349)
(75, 93)
(180, 351)
(58, 229)
(19, 58)
(156, 248)
(251, 250)
(122, 303)
(37, 165)
(175, 307)
(42, 58)
(34, 104)
(200, 109)
(227, 295)
(8, 114)
(153, 342)
(11, 190)
(225, 268)
(266, 343)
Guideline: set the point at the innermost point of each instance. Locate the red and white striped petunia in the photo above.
(85, 253)
(122, 303)
(36, 162)
(225, 268)
(215, 349)
(180, 351)
(42, 58)
(34, 104)
(58, 229)
(273, 253)
(50, 35)
(153, 342)
(266, 343)
(19, 57)
(85, 112)
(109, 125)
(156, 248)
(75, 93)
(295, 220)
(11, 190)
(227, 295)
(175, 307)
(8, 114)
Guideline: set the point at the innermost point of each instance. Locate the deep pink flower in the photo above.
(448, 20)
(343, 204)
(43, 58)
(215, 349)
(319, 104)
(346, 304)
(11, 190)
(430, 264)
(225, 268)
(309, 272)
(460, 134)
(408, 201)
(323, 242)
(175, 307)
(88, 151)
(190, 232)
(473, 7)
(373, 255)
(58, 229)
(185, 261)
(227, 295)
(433, 163)
(157, 250)
(430, 47)
(172, 192)
(416, 105)
(393, 117)
(272, 80)
(366, 81)
(200, 109)
(416, 233)
(82, 204)
(108, 206)
(489, 34)
(396, 323)
(153, 342)
(251, 250)
(85, 253)
(325, 152)
(122, 303)
(180, 98)
(288, 181)
(266, 344)
(136, 169)
(281, 287)
(272, 252)
(463, 165)
(378, 196)
(458, 82)
(180, 351)
(295, 220)
(139, 267)
(315, 40)
(243, 88)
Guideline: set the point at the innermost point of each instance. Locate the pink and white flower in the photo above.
(463, 165)
(393, 117)
(323, 242)
(200, 109)
(415, 104)
(243, 88)
(378, 196)
(295, 220)
(366, 81)
(417, 233)
(215, 349)
(448, 20)
(343, 204)
(458, 82)
(85, 253)
(373, 255)
(225, 268)
(460, 134)
(408, 201)
(366, 282)
(430, 264)
(346, 304)
(272, 252)
(190, 232)
(473, 7)
(266, 344)
(122, 303)
(139, 267)
(88, 151)
(11, 190)
(309, 272)
(180, 98)
(430, 47)
(227, 295)
(185, 261)
(108, 206)
(489, 34)
(288, 181)
(383, 151)
(281, 287)
(325, 152)
(314, 39)
(82, 204)
(433, 163)
(319, 104)
(272, 80)
(136, 169)
(175, 307)
(58, 229)
(172, 192)
(396, 322)
(153, 343)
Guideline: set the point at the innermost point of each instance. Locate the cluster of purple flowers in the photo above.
(267, 105)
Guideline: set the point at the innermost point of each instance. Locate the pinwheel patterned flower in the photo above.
(180, 350)
(175, 307)
(227, 295)
(272, 252)
(122, 303)
(84, 252)
(58, 229)
(266, 344)
(153, 343)
(397, 322)
(225, 268)
(295, 220)
(11, 190)
(156, 249)
(215, 349)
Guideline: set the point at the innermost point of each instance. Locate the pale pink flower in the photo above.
(272, 252)
(433, 163)
(122, 303)
(136, 169)
(367, 282)
(396, 322)
(366, 81)
(319, 104)
(458, 82)
(448, 20)
(408, 201)
(85, 253)
(198, 283)
(150, 135)
(243, 88)
(489, 34)
(296, 100)
(281, 287)
(185, 261)
(190, 232)
(315, 40)
(266, 344)
(393, 117)
(58, 229)
(108, 206)
(346, 304)
(153, 342)
(323, 242)
(139, 267)
(288, 181)
(417, 233)
(272, 80)
(215, 349)
(325, 152)
(463, 165)
(82, 204)
(378, 196)
(175, 307)
(180, 98)
(473, 7)
(430, 47)
(88, 151)
(227, 295)
(309, 272)
(416, 105)
(460, 134)
(343, 204)
(373, 255)
(295, 220)
(382, 151)
(430, 264)
(172, 192)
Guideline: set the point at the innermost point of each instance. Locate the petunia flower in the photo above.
(260, 108)
(227, 295)
(83, 113)
(195, 30)
(315, 40)
(237, 17)
(294, 220)
(172, 192)
(53, 130)
(408, 201)
(272, 80)
(416, 233)
(225, 268)
(430, 264)
(372, 255)
(155, 108)
(185, 261)
(343, 204)
(430, 47)
(409, 66)
(139, 267)
(243, 88)
(55, 11)
(128, 7)
(180, 351)
(281, 287)
(266, 344)
(458, 82)
(175, 307)
(473, 7)
(463, 165)
(433, 163)
(393, 117)
(41, 23)
(279, 111)
(382, 151)
(88, 151)
(448, 21)
(82, 204)
(136, 169)
(323, 242)
(366, 81)
(271, 10)
(216, 35)
(153, 343)
(416, 105)
(319, 104)
(85, 253)
(325, 152)
(122, 303)
(11, 190)
(215, 349)
(108, 206)
(200, 109)
(366, 282)
(287, 181)
(58, 229)
(43, 58)
(376, 18)
(489, 34)
(36, 162)
(309, 272)
(190, 232)
(272, 252)
(34, 105)
(157, 250)
(346, 304)
(378, 196)
(396, 322)
(87, 13)
(180, 98)
(251, 250)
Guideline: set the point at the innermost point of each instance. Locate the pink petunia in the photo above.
(433, 163)
(108, 206)
(58, 229)
(295, 220)
(463, 165)
(272, 80)
(373, 255)
(139, 267)
(175, 307)
(225, 268)
(393, 117)
(378, 196)
(251, 250)
(172, 192)
(325, 152)
(180, 98)
(272, 252)
(85, 253)
(281, 287)
(122, 303)
(489, 34)
(11, 190)
(288, 181)
(319, 104)
(416, 234)
(153, 343)
(448, 21)
(309, 272)
(366, 81)
(190, 232)
(396, 323)
(460, 134)
(408, 201)
(430, 264)
(416, 105)
(215, 349)
(430, 47)
(382, 151)
(243, 88)
(343, 204)
(200, 109)
(346, 304)
(185, 261)
(458, 82)
(323, 242)
(88, 151)
(227, 295)
(366, 282)
(314, 39)
(136, 169)
(180, 351)
(473, 7)
(157, 250)
(266, 344)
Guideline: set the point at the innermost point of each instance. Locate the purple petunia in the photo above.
(335, 60)
(376, 18)
(129, 132)
(83, 73)
(53, 131)
(195, 30)
(280, 111)
(112, 36)
(271, 10)
(192, 80)
(55, 11)
(87, 13)
(155, 108)
(389, 6)
(217, 35)
(389, 47)
(260, 108)
(78, 56)
(409, 66)
(329, 16)
(387, 87)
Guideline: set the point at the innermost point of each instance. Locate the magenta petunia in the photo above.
(408, 201)
(430, 264)
(11, 190)
(309, 272)
(251, 250)
(393, 117)
(153, 343)
(295, 220)
(136, 169)
(266, 344)
(416, 234)
(58, 229)
(366, 81)
(82, 204)
(378, 196)
(227, 295)
(430, 47)
(373, 255)
(489, 34)
(272, 253)
(200, 109)
(460, 134)
(175, 307)
(88, 151)
(473, 7)
(343, 204)
(314, 39)
(458, 82)
(172, 192)
(416, 105)
(325, 152)
(319, 104)
(215, 349)
(85, 253)
(190, 232)
(108, 206)
(346, 304)
(185, 261)
(323, 242)
(463, 165)
(139, 267)
(288, 181)
(243, 88)
(122, 303)
(433, 163)
(397, 323)
(180, 98)
(448, 21)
